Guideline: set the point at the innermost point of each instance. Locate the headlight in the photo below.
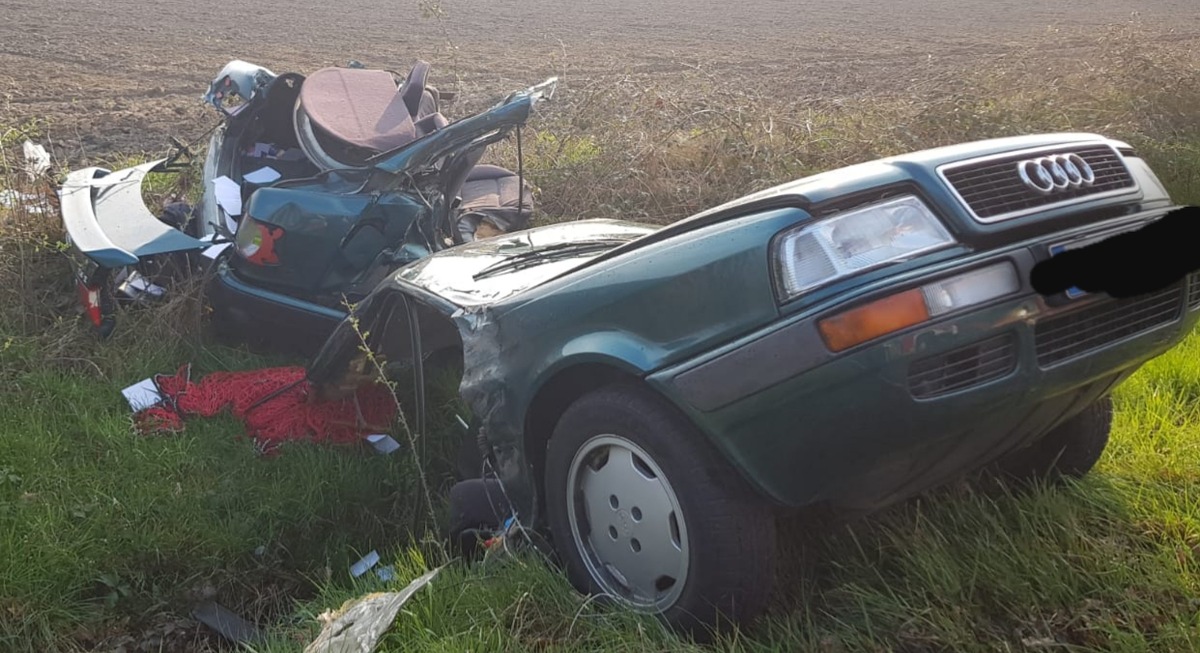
(858, 240)
(901, 310)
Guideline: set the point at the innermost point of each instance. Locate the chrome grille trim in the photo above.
(1001, 168)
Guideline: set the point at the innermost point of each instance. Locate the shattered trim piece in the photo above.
(360, 624)
(227, 624)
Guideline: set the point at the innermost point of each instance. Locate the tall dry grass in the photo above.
(635, 148)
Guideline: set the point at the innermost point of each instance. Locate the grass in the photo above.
(108, 537)
(98, 522)
(1109, 563)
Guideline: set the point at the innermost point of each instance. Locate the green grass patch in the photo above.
(97, 521)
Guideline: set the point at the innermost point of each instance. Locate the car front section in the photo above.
(924, 370)
(849, 339)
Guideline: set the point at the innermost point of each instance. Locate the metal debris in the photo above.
(360, 624)
(228, 624)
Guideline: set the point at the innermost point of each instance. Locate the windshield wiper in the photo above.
(540, 254)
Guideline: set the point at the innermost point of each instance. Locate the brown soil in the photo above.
(121, 75)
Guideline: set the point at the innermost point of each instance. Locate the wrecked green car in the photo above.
(651, 397)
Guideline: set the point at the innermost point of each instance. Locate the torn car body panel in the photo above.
(237, 80)
(107, 221)
(314, 213)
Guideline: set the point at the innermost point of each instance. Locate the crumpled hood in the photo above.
(450, 273)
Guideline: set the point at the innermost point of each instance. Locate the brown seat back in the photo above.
(414, 94)
(358, 107)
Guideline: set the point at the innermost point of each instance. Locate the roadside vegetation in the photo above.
(108, 537)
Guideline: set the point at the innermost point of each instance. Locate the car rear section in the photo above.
(879, 386)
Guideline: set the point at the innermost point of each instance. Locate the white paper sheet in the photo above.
(137, 285)
(215, 251)
(11, 199)
(229, 195)
(37, 159)
(263, 175)
(362, 566)
(383, 443)
(142, 395)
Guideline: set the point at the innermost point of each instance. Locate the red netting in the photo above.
(275, 404)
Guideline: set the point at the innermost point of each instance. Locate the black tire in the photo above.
(730, 540)
(1070, 450)
(477, 508)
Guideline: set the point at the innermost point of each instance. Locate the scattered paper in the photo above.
(215, 251)
(269, 151)
(386, 574)
(136, 286)
(263, 175)
(363, 566)
(37, 160)
(383, 443)
(11, 199)
(262, 149)
(229, 195)
(142, 395)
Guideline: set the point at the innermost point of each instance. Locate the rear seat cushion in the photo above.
(359, 107)
(493, 203)
(493, 187)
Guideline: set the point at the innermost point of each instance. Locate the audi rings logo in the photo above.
(1057, 172)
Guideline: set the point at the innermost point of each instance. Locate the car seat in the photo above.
(344, 116)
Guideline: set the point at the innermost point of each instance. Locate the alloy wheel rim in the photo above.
(627, 523)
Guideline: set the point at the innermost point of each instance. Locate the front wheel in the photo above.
(1070, 450)
(646, 514)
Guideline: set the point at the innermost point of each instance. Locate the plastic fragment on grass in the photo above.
(142, 395)
(499, 542)
(364, 565)
(227, 624)
(359, 624)
(383, 443)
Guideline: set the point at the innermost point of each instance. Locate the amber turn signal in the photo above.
(880, 317)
